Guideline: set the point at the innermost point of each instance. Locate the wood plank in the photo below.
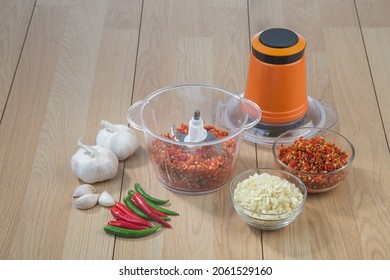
(350, 222)
(192, 42)
(14, 19)
(29, 95)
(84, 61)
(77, 69)
(376, 34)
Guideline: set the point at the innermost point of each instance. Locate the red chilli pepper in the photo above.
(144, 206)
(122, 207)
(116, 213)
(158, 212)
(127, 225)
(126, 210)
(161, 214)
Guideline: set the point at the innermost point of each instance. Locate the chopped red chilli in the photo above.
(201, 169)
(314, 155)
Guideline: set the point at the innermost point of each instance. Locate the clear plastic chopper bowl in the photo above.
(193, 165)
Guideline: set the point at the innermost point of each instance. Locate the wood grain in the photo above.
(14, 20)
(376, 34)
(192, 42)
(337, 225)
(73, 74)
(21, 121)
(85, 61)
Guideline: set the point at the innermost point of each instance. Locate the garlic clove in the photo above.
(86, 201)
(83, 189)
(106, 200)
(94, 164)
(119, 138)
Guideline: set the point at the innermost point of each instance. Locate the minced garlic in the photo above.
(267, 194)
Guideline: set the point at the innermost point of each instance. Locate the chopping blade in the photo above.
(179, 137)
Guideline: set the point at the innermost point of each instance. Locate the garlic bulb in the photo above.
(94, 163)
(119, 138)
(83, 189)
(105, 199)
(86, 201)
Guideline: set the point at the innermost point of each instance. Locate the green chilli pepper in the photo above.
(129, 233)
(161, 209)
(142, 192)
(130, 193)
(127, 201)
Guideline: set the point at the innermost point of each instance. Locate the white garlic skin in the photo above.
(92, 169)
(106, 200)
(86, 201)
(83, 189)
(123, 142)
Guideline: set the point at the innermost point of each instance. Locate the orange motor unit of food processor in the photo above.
(277, 75)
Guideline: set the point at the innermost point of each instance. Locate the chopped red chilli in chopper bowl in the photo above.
(194, 170)
(314, 155)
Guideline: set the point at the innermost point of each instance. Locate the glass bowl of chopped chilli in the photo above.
(321, 158)
(266, 198)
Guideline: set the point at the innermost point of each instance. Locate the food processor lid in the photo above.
(278, 46)
(319, 115)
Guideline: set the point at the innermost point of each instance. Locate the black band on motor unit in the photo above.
(278, 59)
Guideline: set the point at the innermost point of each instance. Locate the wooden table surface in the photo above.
(66, 65)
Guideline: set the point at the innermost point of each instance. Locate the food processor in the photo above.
(277, 83)
(193, 134)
